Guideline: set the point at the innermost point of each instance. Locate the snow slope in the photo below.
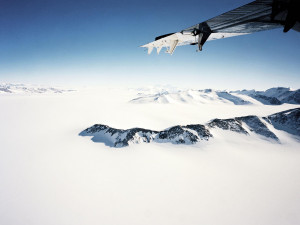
(50, 175)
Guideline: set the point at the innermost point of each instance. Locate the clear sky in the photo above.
(89, 42)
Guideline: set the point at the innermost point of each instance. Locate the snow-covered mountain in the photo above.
(263, 127)
(120, 138)
(288, 121)
(28, 89)
(273, 96)
(206, 96)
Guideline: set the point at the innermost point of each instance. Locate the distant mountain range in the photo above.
(272, 96)
(263, 127)
(32, 89)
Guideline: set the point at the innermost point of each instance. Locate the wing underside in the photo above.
(178, 39)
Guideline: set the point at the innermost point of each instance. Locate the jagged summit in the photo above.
(288, 121)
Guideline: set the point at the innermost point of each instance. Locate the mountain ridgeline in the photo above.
(29, 89)
(272, 96)
(263, 127)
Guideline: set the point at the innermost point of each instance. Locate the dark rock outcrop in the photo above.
(228, 124)
(288, 121)
(257, 126)
(266, 100)
(118, 137)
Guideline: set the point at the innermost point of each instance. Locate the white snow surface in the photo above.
(51, 175)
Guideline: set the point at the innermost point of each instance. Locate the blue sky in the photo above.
(88, 42)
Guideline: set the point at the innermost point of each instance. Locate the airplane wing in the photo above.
(253, 17)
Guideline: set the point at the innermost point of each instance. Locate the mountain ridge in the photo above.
(272, 96)
(7, 88)
(287, 121)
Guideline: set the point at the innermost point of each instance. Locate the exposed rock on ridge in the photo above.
(288, 121)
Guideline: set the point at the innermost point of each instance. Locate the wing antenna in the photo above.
(158, 49)
(150, 48)
(173, 45)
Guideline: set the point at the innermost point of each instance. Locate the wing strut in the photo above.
(292, 16)
(203, 32)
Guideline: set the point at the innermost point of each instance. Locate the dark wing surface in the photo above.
(253, 17)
